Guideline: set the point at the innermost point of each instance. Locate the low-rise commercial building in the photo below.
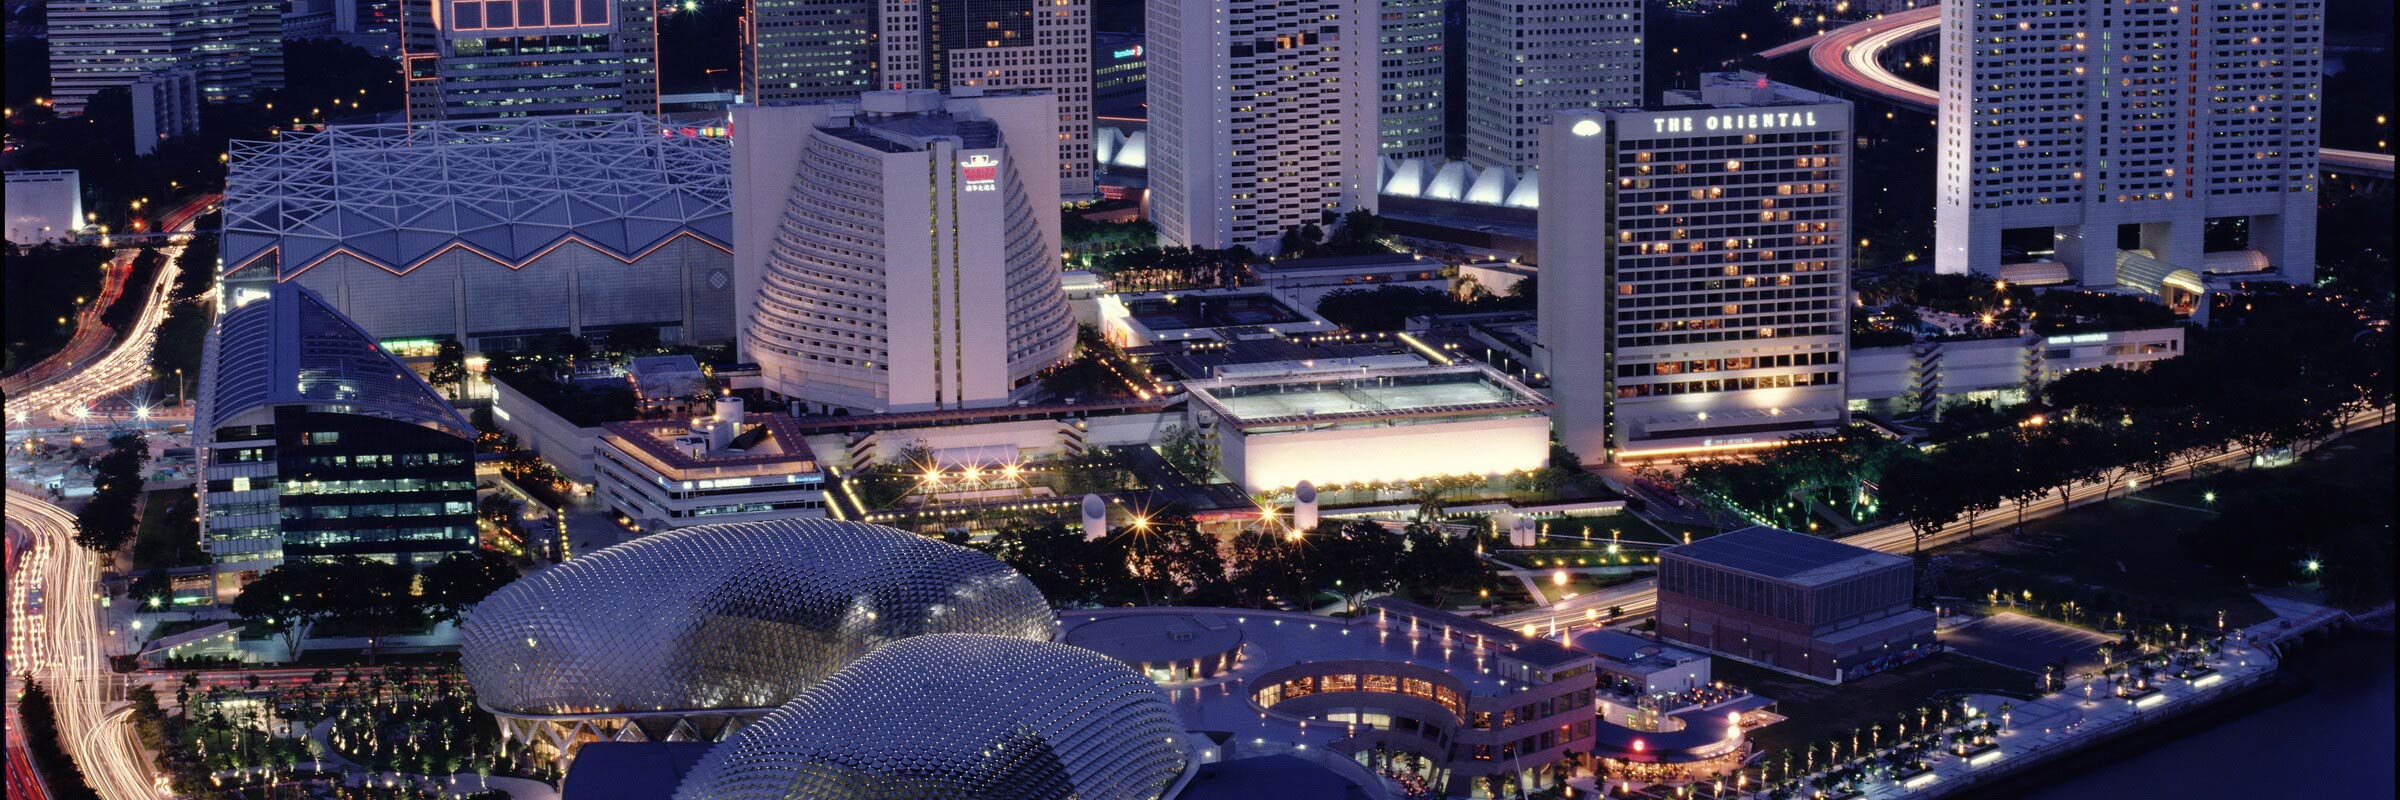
(44, 204)
(1305, 281)
(1135, 319)
(1798, 603)
(1473, 709)
(1369, 423)
(732, 466)
(2002, 370)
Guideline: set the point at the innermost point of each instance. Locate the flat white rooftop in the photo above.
(1369, 393)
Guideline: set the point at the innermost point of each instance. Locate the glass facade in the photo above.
(358, 485)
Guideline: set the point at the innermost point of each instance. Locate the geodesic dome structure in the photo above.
(957, 717)
(729, 617)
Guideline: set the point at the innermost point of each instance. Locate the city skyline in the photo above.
(1179, 400)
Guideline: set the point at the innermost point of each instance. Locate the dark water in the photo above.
(2327, 734)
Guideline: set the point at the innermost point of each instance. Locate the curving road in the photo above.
(69, 397)
(58, 636)
(1852, 55)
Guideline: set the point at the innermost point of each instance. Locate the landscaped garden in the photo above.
(249, 739)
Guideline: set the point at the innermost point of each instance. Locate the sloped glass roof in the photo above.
(292, 348)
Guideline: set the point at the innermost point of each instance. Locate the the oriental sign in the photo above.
(1735, 121)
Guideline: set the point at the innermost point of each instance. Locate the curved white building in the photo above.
(898, 253)
(958, 716)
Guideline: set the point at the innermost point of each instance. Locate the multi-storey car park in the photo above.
(732, 466)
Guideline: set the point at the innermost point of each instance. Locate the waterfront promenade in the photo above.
(2086, 714)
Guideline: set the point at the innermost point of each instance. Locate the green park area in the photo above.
(2186, 550)
(1818, 713)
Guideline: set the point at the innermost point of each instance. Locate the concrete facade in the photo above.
(857, 293)
(483, 60)
(1529, 60)
(1261, 117)
(2085, 117)
(1790, 601)
(44, 204)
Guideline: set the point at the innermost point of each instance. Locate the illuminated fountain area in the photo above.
(1696, 744)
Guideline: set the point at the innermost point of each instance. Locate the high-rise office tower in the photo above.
(2133, 122)
(478, 59)
(315, 442)
(1410, 62)
(1695, 269)
(234, 47)
(1262, 116)
(795, 50)
(1000, 44)
(808, 49)
(1529, 60)
(899, 252)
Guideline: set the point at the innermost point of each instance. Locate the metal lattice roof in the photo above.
(958, 717)
(293, 348)
(399, 194)
(730, 616)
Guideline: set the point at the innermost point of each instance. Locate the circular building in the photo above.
(1687, 746)
(958, 717)
(681, 635)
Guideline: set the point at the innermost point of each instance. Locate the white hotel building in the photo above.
(1529, 59)
(900, 252)
(2087, 117)
(1695, 269)
(1262, 116)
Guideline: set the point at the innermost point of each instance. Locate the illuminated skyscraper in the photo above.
(1409, 63)
(233, 47)
(807, 50)
(1695, 269)
(2128, 121)
(1527, 60)
(510, 58)
(1262, 116)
